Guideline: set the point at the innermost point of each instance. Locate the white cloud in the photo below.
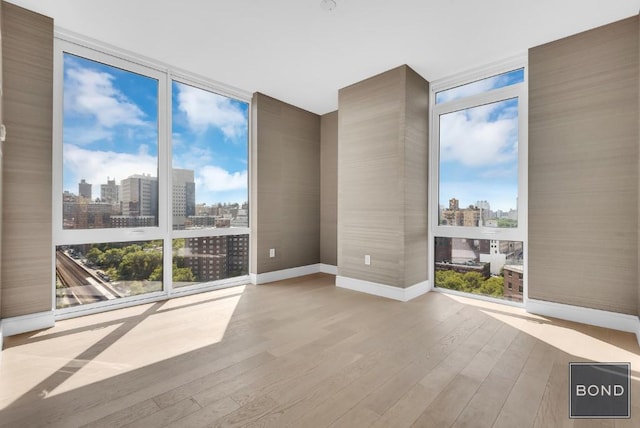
(83, 135)
(216, 179)
(193, 158)
(479, 86)
(89, 92)
(474, 139)
(204, 109)
(95, 166)
(469, 89)
(96, 110)
(501, 172)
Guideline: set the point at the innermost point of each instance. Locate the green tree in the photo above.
(507, 222)
(178, 244)
(113, 273)
(132, 248)
(493, 286)
(449, 279)
(111, 258)
(139, 265)
(183, 274)
(93, 255)
(473, 280)
(156, 275)
(179, 261)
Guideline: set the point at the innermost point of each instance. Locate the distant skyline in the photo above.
(111, 130)
(479, 148)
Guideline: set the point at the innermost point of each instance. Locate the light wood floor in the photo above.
(303, 353)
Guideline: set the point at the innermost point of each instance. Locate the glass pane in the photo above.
(480, 86)
(210, 159)
(478, 184)
(91, 273)
(110, 146)
(205, 259)
(480, 266)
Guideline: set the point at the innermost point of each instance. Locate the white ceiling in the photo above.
(297, 52)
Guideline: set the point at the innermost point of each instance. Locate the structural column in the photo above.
(383, 181)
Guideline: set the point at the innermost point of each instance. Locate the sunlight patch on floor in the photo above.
(582, 341)
(81, 351)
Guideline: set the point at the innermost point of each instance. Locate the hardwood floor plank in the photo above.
(446, 407)
(554, 405)
(206, 416)
(362, 417)
(210, 379)
(486, 403)
(125, 416)
(303, 353)
(167, 415)
(381, 399)
(524, 397)
(409, 408)
(246, 414)
(175, 374)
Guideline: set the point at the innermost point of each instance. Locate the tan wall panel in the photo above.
(382, 170)
(286, 185)
(416, 170)
(370, 185)
(329, 189)
(27, 48)
(1, 162)
(583, 169)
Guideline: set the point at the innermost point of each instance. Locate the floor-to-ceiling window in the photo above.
(478, 176)
(150, 181)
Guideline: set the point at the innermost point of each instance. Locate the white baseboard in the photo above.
(383, 290)
(26, 323)
(279, 275)
(597, 317)
(330, 269)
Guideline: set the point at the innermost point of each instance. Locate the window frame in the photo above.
(74, 44)
(520, 91)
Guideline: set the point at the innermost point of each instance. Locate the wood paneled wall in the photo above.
(1, 161)
(382, 186)
(583, 169)
(27, 50)
(416, 177)
(285, 185)
(329, 188)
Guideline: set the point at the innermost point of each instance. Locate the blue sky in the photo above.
(111, 130)
(479, 155)
(480, 86)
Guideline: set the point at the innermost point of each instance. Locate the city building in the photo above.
(241, 219)
(184, 196)
(139, 196)
(88, 215)
(110, 192)
(84, 189)
(217, 257)
(132, 221)
(454, 216)
(513, 282)
(479, 267)
(443, 249)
